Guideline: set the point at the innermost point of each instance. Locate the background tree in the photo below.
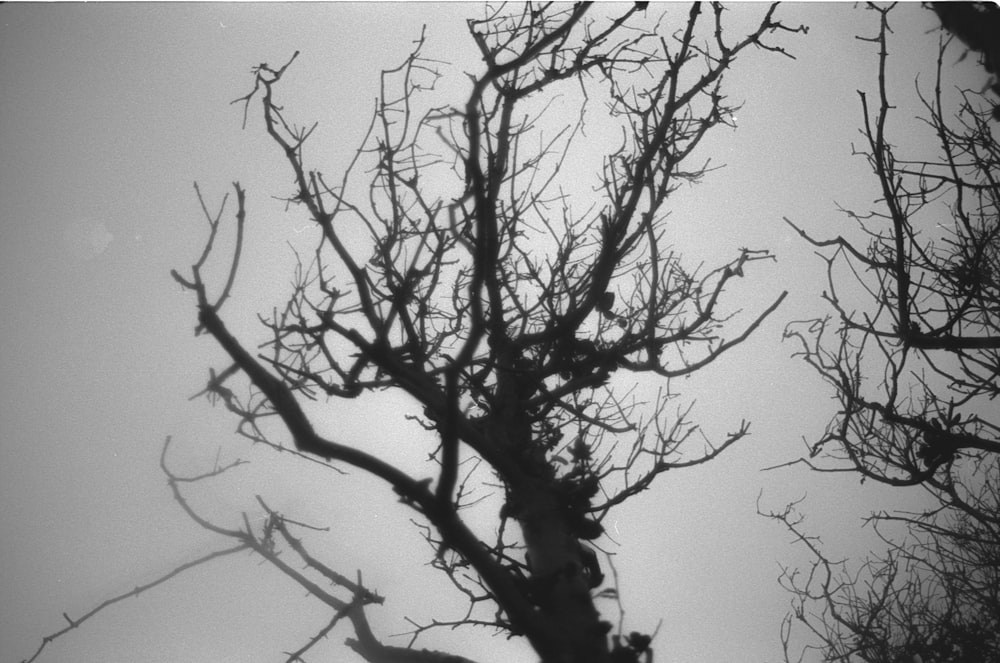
(509, 301)
(913, 355)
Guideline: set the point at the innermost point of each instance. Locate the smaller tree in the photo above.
(915, 368)
(933, 593)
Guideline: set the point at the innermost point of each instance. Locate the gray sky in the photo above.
(108, 113)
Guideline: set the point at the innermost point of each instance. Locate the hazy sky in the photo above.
(109, 112)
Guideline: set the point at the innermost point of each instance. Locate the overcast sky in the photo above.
(109, 113)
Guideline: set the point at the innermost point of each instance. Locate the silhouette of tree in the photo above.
(913, 355)
(472, 276)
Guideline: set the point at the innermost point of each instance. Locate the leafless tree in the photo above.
(933, 593)
(514, 305)
(913, 355)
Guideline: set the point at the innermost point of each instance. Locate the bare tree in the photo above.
(913, 355)
(931, 596)
(508, 301)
